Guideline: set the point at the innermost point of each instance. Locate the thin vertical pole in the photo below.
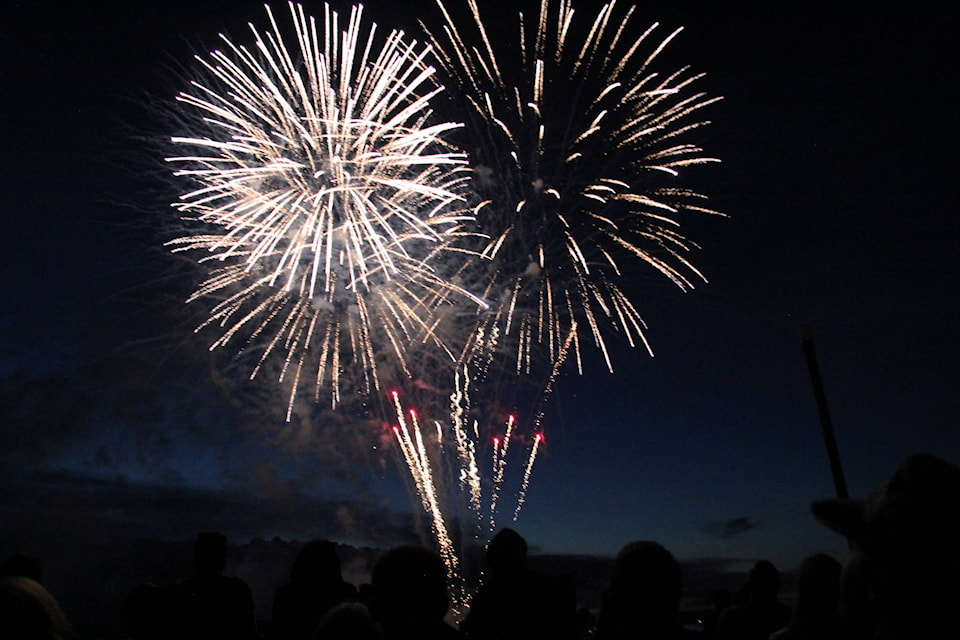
(825, 423)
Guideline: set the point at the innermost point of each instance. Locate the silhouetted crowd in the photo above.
(900, 581)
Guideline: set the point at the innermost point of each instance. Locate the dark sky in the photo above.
(837, 135)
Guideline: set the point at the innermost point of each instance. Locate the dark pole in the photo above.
(825, 423)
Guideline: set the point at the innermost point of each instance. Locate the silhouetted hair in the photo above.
(507, 551)
(643, 594)
(764, 583)
(29, 612)
(818, 587)
(317, 564)
(647, 569)
(210, 552)
(316, 586)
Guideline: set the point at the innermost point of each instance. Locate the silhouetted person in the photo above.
(23, 565)
(900, 580)
(215, 606)
(348, 621)
(516, 603)
(642, 598)
(316, 586)
(816, 615)
(762, 613)
(410, 595)
(29, 612)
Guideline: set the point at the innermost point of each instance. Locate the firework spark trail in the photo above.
(578, 146)
(322, 196)
(469, 476)
(418, 462)
(522, 497)
(499, 464)
(548, 388)
(429, 466)
(494, 493)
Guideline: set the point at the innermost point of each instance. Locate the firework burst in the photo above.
(322, 199)
(576, 144)
(350, 235)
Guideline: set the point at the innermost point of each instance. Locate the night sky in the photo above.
(837, 133)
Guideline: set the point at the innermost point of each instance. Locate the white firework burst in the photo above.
(323, 199)
(576, 144)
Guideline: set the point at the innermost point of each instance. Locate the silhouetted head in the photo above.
(210, 553)
(29, 612)
(905, 549)
(818, 588)
(409, 590)
(507, 552)
(764, 582)
(317, 563)
(643, 595)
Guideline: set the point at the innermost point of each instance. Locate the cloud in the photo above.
(48, 505)
(730, 528)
